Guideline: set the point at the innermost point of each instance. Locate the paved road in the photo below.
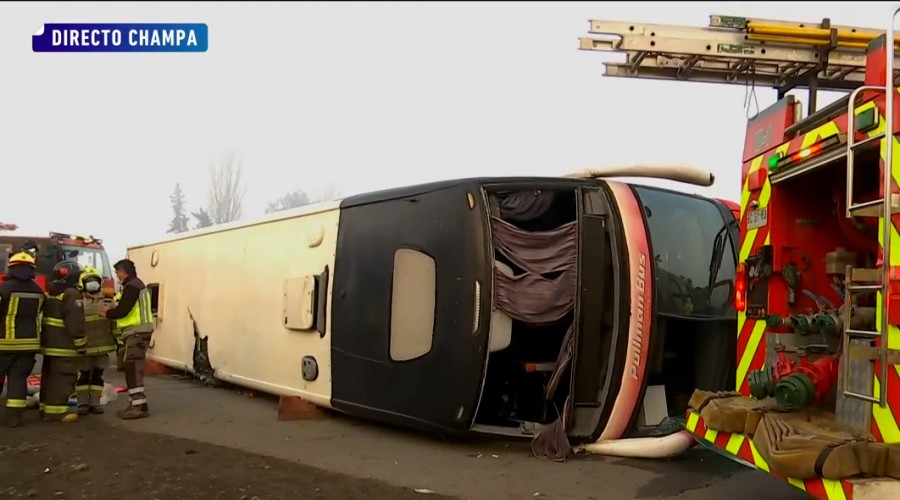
(479, 470)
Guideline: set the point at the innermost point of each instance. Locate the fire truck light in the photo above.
(740, 288)
(806, 153)
(778, 161)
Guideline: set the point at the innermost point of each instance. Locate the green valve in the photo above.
(794, 392)
(867, 120)
(773, 321)
(800, 325)
(825, 324)
(761, 382)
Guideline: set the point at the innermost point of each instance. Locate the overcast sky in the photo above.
(362, 95)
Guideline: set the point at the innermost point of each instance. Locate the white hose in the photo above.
(677, 173)
(648, 447)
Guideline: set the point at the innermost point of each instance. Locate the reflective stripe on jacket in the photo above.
(20, 316)
(97, 329)
(139, 318)
(62, 332)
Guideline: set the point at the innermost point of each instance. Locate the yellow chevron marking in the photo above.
(820, 133)
(758, 460)
(756, 337)
(734, 444)
(883, 416)
(692, 420)
(834, 489)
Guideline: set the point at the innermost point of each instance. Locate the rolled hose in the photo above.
(677, 173)
(645, 447)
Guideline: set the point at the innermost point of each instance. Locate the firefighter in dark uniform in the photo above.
(21, 300)
(134, 319)
(63, 342)
(100, 343)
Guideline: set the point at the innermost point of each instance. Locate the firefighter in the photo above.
(135, 320)
(63, 342)
(100, 342)
(21, 300)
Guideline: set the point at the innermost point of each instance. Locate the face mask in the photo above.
(92, 287)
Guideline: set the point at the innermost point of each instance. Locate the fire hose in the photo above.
(674, 441)
(643, 447)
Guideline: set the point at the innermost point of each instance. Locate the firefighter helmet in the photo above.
(67, 271)
(88, 274)
(21, 259)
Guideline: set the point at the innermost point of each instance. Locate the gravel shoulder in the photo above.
(93, 459)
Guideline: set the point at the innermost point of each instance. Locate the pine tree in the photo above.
(179, 223)
(203, 219)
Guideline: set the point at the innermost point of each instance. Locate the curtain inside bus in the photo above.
(544, 289)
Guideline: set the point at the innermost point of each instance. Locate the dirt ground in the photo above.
(93, 459)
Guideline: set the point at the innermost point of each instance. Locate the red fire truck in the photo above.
(54, 248)
(817, 395)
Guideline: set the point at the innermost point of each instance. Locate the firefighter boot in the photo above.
(66, 418)
(134, 412)
(14, 416)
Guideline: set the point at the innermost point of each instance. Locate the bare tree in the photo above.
(329, 193)
(226, 191)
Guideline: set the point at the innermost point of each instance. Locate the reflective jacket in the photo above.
(20, 310)
(137, 319)
(97, 329)
(63, 324)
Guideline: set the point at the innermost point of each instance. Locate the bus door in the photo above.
(411, 306)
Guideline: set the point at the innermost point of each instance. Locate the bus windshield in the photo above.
(93, 257)
(695, 256)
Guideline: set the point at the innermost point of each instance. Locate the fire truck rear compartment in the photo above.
(797, 286)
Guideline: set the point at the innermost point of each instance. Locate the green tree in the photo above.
(203, 218)
(179, 222)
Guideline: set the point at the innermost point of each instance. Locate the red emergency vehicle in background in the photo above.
(816, 341)
(54, 248)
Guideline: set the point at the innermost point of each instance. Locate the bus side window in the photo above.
(154, 289)
(413, 297)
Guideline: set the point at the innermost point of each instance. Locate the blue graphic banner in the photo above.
(145, 37)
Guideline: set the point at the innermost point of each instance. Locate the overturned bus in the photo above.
(489, 305)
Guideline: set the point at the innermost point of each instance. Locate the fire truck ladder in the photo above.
(860, 280)
(738, 50)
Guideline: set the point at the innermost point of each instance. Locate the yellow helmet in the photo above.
(86, 275)
(21, 259)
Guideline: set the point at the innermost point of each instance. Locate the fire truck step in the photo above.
(863, 275)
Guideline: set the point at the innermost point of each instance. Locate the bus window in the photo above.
(694, 253)
(412, 304)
